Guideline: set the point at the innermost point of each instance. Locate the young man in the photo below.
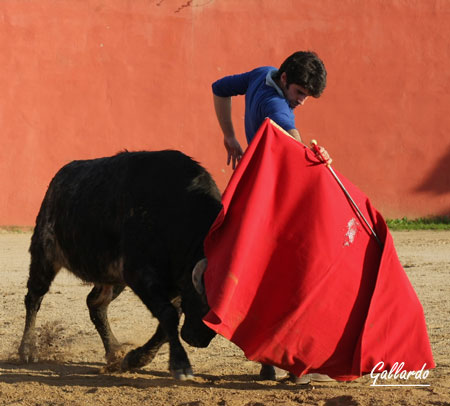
(275, 94)
(269, 93)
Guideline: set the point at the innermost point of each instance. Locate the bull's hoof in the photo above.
(182, 374)
(117, 354)
(29, 358)
(111, 368)
(28, 354)
(134, 359)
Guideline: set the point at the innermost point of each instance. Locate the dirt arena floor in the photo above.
(72, 354)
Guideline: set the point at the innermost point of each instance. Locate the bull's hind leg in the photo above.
(98, 301)
(42, 273)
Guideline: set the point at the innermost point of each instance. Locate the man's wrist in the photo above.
(229, 137)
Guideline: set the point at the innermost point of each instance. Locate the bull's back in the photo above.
(89, 204)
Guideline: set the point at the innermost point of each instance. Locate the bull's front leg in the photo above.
(155, 296)
(179, 364)
(142, 356)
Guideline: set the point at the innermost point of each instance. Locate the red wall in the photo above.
(82, 79)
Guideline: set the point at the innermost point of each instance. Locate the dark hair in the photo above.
(306, 70)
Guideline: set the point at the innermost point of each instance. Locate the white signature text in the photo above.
(397, 372)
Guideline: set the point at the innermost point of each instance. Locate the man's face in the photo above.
(295, 94)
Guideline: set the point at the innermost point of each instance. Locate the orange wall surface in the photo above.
(87, 78)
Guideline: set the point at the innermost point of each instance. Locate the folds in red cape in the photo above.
(296, 280)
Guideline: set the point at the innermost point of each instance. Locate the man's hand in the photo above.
(321, 153)
(234, 151)
(324, 156)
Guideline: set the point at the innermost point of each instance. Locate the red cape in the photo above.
(295, 279)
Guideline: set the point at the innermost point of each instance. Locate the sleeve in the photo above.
(231, 85)
(278, 110)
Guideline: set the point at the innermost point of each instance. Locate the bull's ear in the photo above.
(197, 275)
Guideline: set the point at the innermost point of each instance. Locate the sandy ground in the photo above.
(72, 353)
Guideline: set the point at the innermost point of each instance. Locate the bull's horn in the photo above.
(197, 275)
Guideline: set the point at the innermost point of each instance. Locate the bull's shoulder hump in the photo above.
(134, 164)
(163, 158)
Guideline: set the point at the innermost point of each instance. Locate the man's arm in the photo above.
(295, 134)
(222, 106)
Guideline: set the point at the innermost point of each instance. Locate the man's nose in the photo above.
(301, 100)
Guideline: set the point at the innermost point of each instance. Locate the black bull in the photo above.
(136, 219)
